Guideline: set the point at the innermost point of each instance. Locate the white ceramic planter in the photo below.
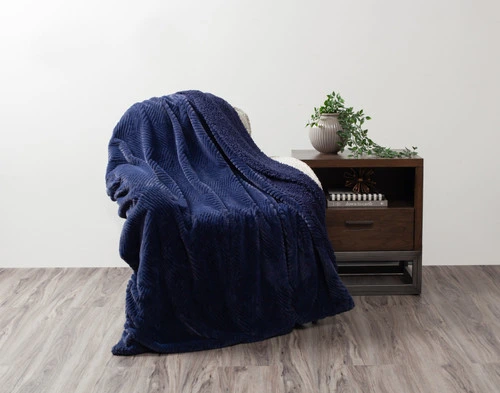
(324, 137)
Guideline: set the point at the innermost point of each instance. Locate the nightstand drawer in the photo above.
(386, 229)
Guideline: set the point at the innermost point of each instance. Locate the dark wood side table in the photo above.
(378, 250)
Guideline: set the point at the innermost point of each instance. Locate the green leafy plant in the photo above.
(353, 136)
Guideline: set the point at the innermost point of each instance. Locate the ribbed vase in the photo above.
(325, 137)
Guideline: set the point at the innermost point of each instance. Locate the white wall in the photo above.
(426, 71)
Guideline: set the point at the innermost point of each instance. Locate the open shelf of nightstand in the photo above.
(381, 272)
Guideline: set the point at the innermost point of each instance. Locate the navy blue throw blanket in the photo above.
(226, 245)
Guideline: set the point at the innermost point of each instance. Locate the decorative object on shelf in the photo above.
(343, 198)
(360, 180)
(353, 204)
(324, 136)
(351, 134)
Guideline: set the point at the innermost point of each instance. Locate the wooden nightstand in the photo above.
(379, 250)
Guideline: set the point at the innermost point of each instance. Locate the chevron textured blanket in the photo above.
(226, 245)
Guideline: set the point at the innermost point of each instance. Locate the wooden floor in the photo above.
(57, 327)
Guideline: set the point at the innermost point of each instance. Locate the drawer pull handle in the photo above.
(359, 223)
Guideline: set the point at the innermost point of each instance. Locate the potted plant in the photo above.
(335, 127)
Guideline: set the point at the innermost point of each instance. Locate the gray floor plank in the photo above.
(57, 327)
(462, 296)
(250, 379)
